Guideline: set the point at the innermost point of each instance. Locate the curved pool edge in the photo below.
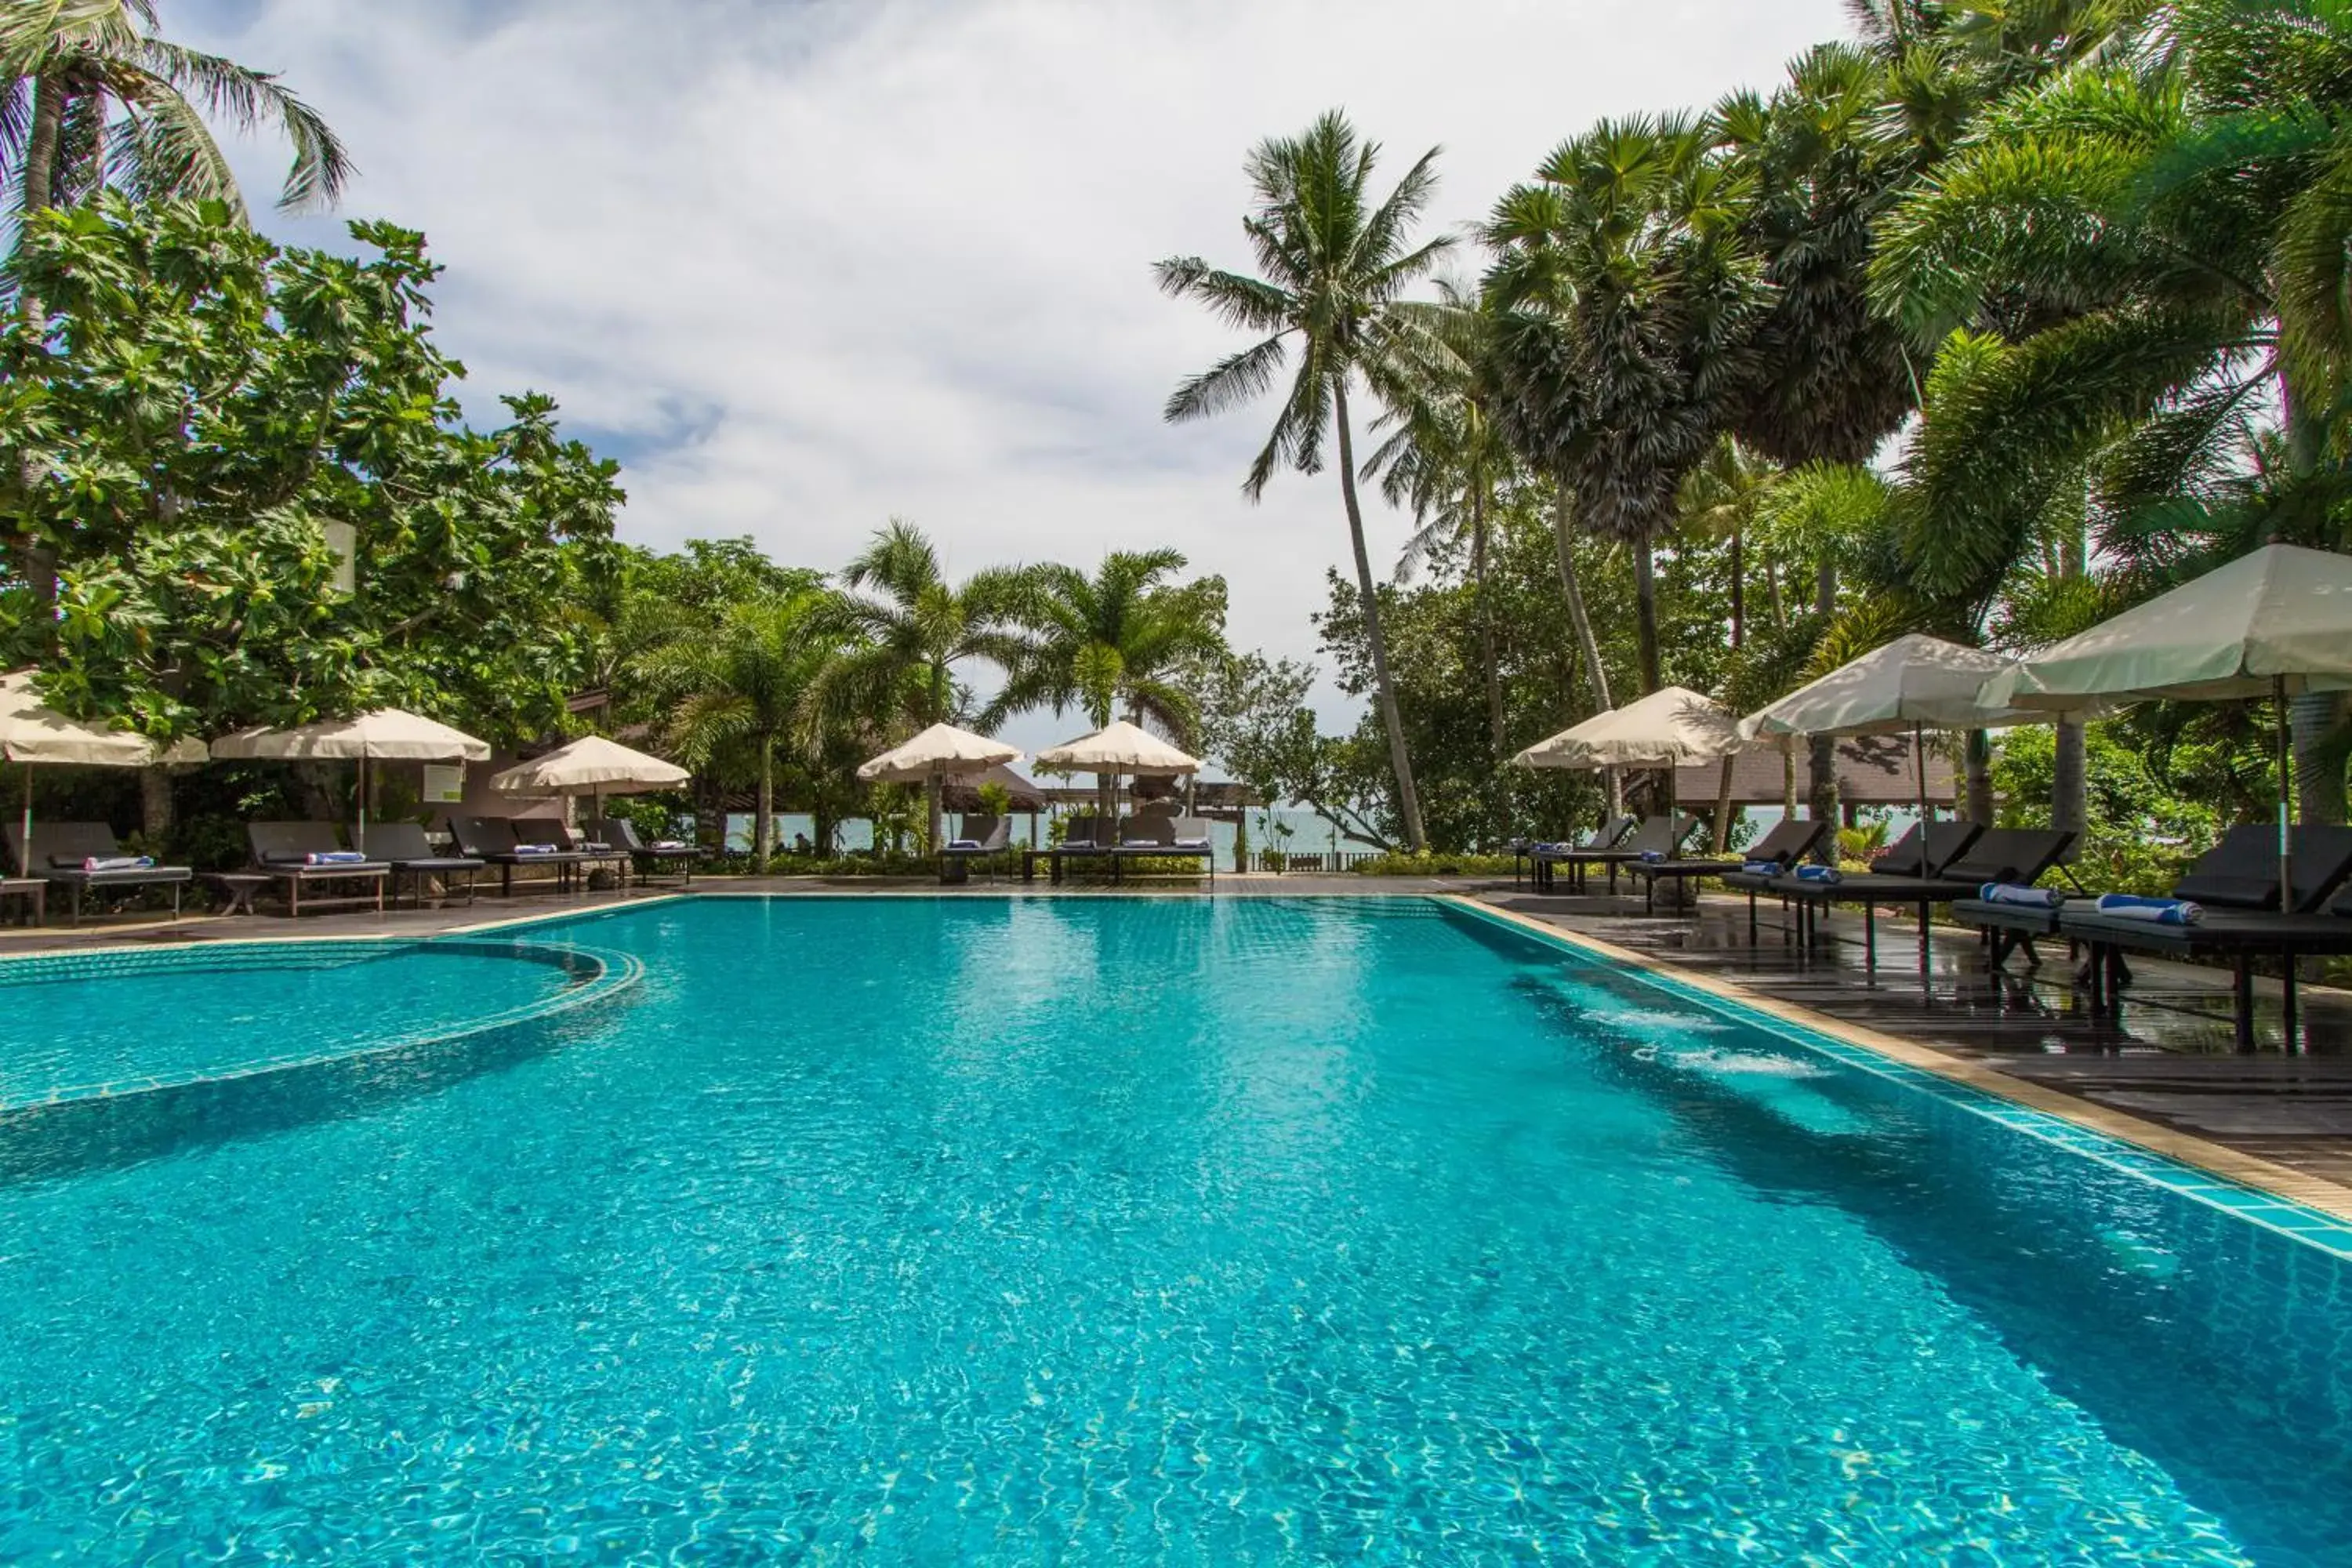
(614, 974)
(2246, 1186)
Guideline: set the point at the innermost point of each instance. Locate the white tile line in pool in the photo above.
(2231, 1183)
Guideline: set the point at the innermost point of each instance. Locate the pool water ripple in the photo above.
(1176, 1232)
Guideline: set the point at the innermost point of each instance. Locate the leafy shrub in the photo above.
(1435, 865)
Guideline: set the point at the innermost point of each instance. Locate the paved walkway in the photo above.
(2171, 1059)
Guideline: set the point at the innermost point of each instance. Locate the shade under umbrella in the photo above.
(590, 765)
(1118, 748)
(2274, 623)
(960, 791)
(33, 733)
(1672, 725)
(383, 734)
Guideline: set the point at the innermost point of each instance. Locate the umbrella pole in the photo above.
(2286, 800)
(1919, 769)
(25, 830)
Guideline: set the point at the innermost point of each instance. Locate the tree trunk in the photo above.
(822, 824)
(1408, 798)
(39, 562)
(2321, 741)
(1596, 676)
(1976, 751)
(2070, 785)
(1738, 586)
(1723, 811)
(1498, 823)
(764, 828)
(1821, 758)
(1788, 782)
(1645, 618)
(938, 812)
(1772, 594)
(155, 805)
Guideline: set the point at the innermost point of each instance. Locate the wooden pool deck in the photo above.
(2170, 1060)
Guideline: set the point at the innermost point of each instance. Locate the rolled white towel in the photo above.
(1829, 874)
(2024, 897)
(2156, 912)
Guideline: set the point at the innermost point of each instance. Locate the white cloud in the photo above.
(809, 266)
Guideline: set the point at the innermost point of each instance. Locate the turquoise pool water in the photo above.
(1107, 1231)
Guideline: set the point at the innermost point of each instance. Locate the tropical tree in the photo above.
(912, 628)
(1632, 306)
(91, 97)
(745, 685)
(1336, 268)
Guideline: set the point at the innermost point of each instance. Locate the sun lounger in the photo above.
(2020, 856)
(1656, 836)
(1087, 839)
(493, 839)
(1164, 838)
(562, 837)
(982, 836)
(84, 855)
(2237, 922)
(1787, 844)
(1529, 851)
(403, 847)
(622, 835)
(301, 854)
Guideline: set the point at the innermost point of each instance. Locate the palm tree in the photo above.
(1336, 268)
(91, 97)
(745, 685)
(913, 628)
(1446, 457)
(1632, 305)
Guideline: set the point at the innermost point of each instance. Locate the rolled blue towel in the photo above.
(535, 849)
(963, 844)
(669, 843)
(1139, 843)
(1192, 844)
(1829, 874)
(2156, 912)
(333, 858)
(1652, 856)
(1546, 847)
(1763, 867)
(117, 862)
(2014, 893)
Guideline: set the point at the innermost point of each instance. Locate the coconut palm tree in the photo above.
(912, 627)
(92, 96)
(745, 685)
(1335, 270)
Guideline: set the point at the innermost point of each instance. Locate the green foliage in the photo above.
(190, 423)
(1435, 864)
(2141, 835)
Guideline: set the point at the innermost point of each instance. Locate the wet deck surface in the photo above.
(2171, 1059)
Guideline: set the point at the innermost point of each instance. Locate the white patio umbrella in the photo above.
(2277, 622)
(33, 733)
(1671, 726)
(931, 758)
(1911, 683)
(385, 734)
(1116, 749)
(591, 766)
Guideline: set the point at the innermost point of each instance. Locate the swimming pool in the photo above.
(1102, 1231)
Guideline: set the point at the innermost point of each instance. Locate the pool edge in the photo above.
(2279, 1181)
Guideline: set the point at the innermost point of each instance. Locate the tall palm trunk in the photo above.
(764, 828)
(1408, 798)
(1596, 677)
(39, 562)
(1821, 752)
(1645, 607)
(2070, 782)
(1495, 727)
(1738, 586)
(1978, 754)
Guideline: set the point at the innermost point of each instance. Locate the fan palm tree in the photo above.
(90, 96)
(1336, 269)
(745, 685)
(912, 627)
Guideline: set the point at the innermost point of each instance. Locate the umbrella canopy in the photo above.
(1122, 748)
(1672, 724)
(385, 735)
(2279, 619)
(32, 733)
(1912, 681)
(938, 752)
(590, 765)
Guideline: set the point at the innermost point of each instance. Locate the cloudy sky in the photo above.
(804, 264)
